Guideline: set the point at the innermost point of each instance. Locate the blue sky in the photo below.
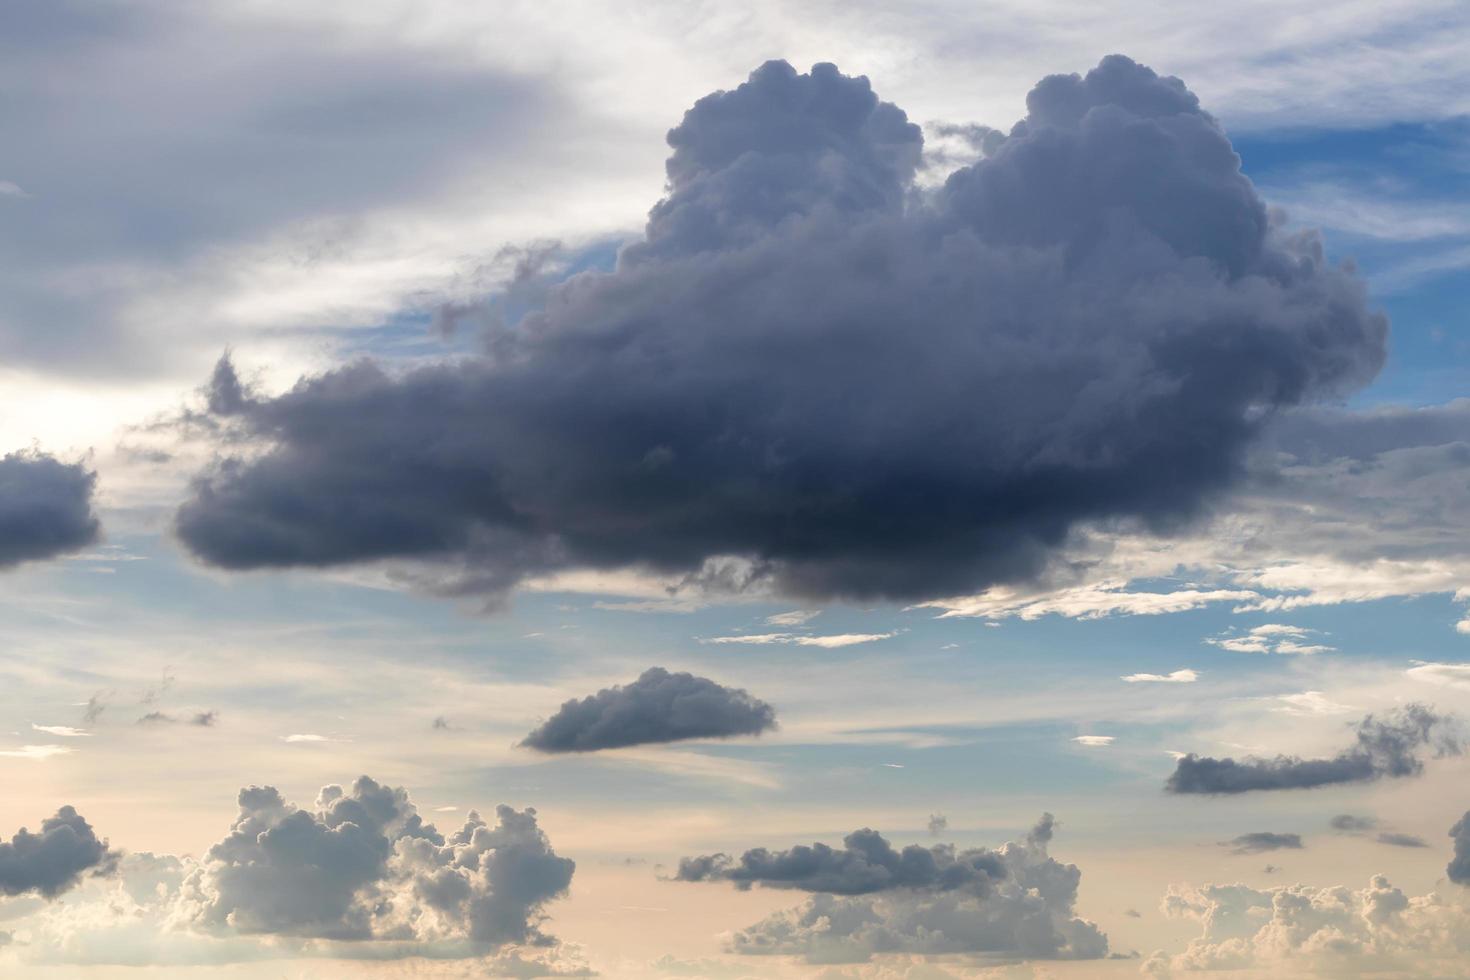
(995, 520)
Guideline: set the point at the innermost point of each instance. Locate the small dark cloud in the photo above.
(658, 707)
(1263, 840)
(832, 384)
(1401, 840)
(45, 507)
(938, 824)
(54, 860)
(441, 724)
(1385, 747)
(95, 706)
(1348, 824)
(202, 719)
(1133, 913)
(1270, 869)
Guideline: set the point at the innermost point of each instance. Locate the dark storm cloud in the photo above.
(363, 865)
(866, 863)
(872, 898)
(1458, 869)
(45, 507)
(861, 389)
(1385, 747)
(1263, 840)
(657, 707)
(52, 861)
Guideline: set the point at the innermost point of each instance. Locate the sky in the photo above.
(798, 491)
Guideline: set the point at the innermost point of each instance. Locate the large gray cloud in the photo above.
(657, 707)
(1014, 901)
(1386, 747)
(864, 390)
(54, 860)
(45, 507)
(363, 865)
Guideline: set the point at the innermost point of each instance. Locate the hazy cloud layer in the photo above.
(45, 507)
(1385, 747)
(658, 707)
(860, 390)
(1015, 901)
(363, 865)
(54, 860)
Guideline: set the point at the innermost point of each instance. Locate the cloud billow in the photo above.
(658, 707)
(858, 388)
(363, 865)
(1385, 748)
(45, 507)
(54, 860)
(1263, 840)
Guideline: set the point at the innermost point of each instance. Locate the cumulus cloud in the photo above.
(1385, 747)
(1336, 931)
(54, 860)
(45, 507)
(872, 898)
(861, 390)
(1263, 840)
(658, 707)
(363, 865)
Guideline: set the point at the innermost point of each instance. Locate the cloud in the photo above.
(1401, 840)
(866, 863)
(1096, 600)
(800, 639)
(1185, 676)
(1384, 747)
(61, 731)
(938, 824)
(797, 617)
(1095, 741)
(36, 752)
(45, 507)
(1271, 638)
(657, 707)
(1015, 901)
(1349, 824)
(201, 719)
(54, 860)
(1335, 931)
(1443, 675)
(919, 395)
(1458, 869)
(1263, 840)
(364, 866)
